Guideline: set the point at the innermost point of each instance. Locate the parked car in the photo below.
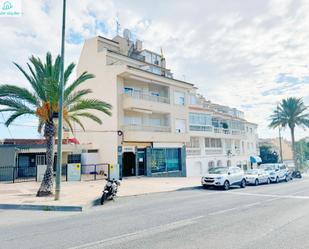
(257, 176)
(276, 171)
(224, 177)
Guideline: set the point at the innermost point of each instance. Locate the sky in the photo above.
(245, 54)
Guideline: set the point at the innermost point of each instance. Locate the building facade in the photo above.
(219, 136)
(153, 124)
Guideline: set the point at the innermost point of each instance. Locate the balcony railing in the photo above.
(209, 128)
(201, 128)
(213, 151)
(151, 128)
(147, 96)
(193, 151)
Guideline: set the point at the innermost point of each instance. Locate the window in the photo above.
(180, 125)
(165, 160)
(193, 100)
(179, 98)
(128, 90)
(194, 142)
(213, 142)
(199, 119)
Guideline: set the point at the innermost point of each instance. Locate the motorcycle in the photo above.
(296, 174)
(110, 190)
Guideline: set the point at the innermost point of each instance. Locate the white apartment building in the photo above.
(219, 136)
(156, 120)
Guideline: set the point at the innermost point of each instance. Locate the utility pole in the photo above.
(60, 111)
(280, 142)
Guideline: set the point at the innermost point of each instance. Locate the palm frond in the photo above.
(19, 93)
(17, 114)
(68, 72)
(76, 120)
(90, 116)
(76, 96)
(80, 80)
(92, 104)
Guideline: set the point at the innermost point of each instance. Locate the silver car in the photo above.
(257, 176)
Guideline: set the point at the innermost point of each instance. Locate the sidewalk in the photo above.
(76, 196)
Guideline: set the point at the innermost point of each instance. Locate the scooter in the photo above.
(110, 190)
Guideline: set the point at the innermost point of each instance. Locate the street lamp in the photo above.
(60, 118)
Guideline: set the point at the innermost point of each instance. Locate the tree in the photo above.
(267, 155)
(42, 102)
(302, 153)
(291, 112)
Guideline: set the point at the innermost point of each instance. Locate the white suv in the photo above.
(224, 177)
(276, 171)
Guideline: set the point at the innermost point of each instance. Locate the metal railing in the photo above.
(193, 151)
(201, 128)
(93, 172)
(137, 127)
(90, 172)
(147, 96)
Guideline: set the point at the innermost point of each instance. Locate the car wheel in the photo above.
(205, 186)
(286, 179)
(243, 183)
(277, 179)
(268, 181)
(226, 185)
(256, 183)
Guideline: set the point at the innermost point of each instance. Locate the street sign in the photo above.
(74, 172)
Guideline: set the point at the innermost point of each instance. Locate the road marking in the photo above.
(139, 234)
(291, 196)
(223, 211)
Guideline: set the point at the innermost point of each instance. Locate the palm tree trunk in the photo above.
(293, 147)
(46, 188)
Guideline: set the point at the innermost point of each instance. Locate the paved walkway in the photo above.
(83, 194)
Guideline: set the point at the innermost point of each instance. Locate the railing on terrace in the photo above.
(147, 96)
(193, 151)
(213, 151)
(135, 127)
(201, 128)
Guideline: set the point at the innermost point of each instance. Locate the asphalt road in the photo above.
(268, 216)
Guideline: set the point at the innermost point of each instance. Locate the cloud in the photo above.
(246, 54)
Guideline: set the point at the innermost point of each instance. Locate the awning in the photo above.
(255, 159)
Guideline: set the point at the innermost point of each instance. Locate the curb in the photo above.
(41, 207)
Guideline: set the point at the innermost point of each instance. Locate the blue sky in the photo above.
(246, 54)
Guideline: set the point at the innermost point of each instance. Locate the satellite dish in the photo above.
(127, 34)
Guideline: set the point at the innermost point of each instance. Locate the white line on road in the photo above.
(139, 234)
(271, 195)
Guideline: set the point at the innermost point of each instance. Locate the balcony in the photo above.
(146, 96)
(149, 128)
(213, 151)
(138, 100)
(193, 151)
(215, 130)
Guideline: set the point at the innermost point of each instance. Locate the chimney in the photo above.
(139, 45)
(163, 64)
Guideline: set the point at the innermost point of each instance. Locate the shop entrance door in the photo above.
(141, 162)
(128, 162)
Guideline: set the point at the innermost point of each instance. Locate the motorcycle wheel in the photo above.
(103, 198)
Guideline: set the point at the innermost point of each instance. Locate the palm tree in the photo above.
(291, 113)
(42, 102)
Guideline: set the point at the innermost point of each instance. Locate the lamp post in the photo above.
(280, 142)
(60, 118)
